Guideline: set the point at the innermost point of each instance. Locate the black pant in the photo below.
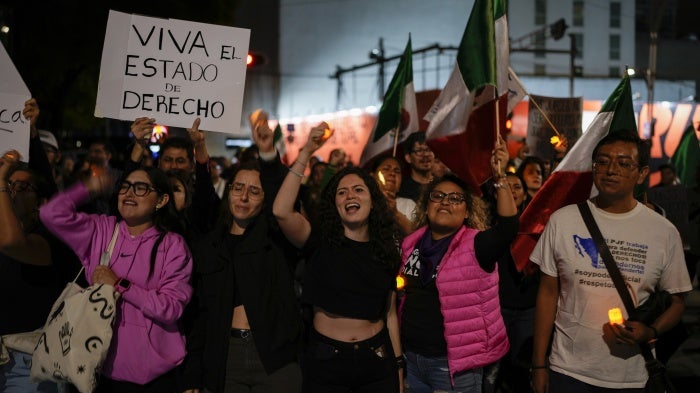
(245, 371)
(367, 366)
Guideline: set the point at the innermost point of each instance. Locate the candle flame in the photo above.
(554, 140)
(327, 133)
(400, 282)
(615, 316)
(380, 176)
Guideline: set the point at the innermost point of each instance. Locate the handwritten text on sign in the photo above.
(174, 71)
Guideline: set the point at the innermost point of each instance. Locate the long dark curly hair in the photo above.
(384, 233)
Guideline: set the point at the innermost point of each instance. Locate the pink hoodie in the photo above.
(146, 342)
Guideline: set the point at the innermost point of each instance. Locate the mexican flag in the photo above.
(572, 180)
(399, 112)
(463, 119)
(687, 157)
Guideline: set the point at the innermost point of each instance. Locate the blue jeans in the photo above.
(431, 374)
(14, 376)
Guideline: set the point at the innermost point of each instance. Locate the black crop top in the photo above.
(348, 281)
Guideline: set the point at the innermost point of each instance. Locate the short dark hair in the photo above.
(412, 139)
(643, 147)
(177, 142)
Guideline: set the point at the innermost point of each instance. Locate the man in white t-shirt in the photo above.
(588, 353)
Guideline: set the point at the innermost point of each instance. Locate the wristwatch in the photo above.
(122, 285)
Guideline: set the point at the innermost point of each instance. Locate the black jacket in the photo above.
(263, 276)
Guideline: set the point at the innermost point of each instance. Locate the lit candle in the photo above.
(327, 133)
(380, 176)
(400, 282)
(615, 316)
(554, 140)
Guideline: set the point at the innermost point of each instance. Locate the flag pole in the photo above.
(396, 139)
(545, 116)
(498, 133)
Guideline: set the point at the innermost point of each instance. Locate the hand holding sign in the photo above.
(198, 139)
(31, 113)
(196, 136)
(142, 128)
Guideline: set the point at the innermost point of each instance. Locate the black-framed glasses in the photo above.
(254, 192)
(601, 164)
(454, 198)
(140, 188)
(421, 151)
(21, 186)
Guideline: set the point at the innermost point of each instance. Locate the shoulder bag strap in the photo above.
(107, 255)
(611, 265)
(604, 251)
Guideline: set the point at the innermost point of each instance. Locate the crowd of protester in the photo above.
(258, 277)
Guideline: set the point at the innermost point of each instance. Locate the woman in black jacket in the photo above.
(246, 329)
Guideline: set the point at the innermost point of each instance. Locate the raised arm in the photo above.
(505, 205)
(141, 128)
(14, 242)
(293, 224)
(37, 155)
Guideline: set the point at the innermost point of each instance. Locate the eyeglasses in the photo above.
(601, 164)
(454, 198)
(21, 186)
(254, 192)
(140, 188)
(421, 151)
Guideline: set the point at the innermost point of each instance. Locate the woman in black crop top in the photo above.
(350, 279)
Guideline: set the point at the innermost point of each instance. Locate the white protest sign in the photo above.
(174, 71)
(14, 128)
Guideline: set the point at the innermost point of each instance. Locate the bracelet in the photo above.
(299, 175)
(533, 368)
(400, 362)
(503, 185)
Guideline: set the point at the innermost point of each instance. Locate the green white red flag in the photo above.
(572, 180)
(466, 116)
(399, 112)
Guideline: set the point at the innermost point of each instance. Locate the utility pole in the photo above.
(377, 54)
(572, 63)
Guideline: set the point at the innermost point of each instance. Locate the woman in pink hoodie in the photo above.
(150, 267)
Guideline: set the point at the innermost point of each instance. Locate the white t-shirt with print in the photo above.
(649, 254)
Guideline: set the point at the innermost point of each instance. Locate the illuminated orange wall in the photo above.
(352, 130)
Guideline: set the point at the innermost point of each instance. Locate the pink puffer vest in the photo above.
(474, 329)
